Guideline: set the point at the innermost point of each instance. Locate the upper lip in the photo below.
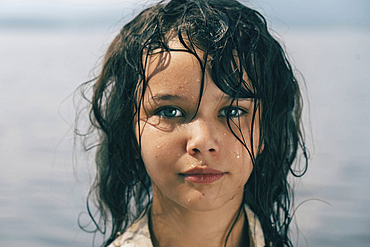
(199, 170)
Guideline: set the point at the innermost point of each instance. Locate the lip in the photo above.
(202, 175)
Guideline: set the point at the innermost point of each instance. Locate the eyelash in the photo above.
(170, 112)
(162, 112)
(223, 112)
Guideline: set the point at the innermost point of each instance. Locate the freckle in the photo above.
(204, 194)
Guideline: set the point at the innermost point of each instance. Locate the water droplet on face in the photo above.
(189, 200)
(238, 157)
(201, 161)
(159, 146)
(179, 155)
(192, 165)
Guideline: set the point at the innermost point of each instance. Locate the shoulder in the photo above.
(137, 235)
(256, 236)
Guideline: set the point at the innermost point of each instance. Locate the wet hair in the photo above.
(234, 40)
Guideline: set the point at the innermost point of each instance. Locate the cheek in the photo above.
(245, 133)
(244, 163)
(159, 149)
(240, 161)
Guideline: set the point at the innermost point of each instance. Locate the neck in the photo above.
(178, 226)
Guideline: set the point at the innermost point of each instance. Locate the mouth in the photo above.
(202, 175)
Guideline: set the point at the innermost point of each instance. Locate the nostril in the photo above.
(212, 150)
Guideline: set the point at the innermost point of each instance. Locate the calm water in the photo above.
(42, 188)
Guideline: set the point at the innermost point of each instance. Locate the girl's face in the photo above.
(193, 161)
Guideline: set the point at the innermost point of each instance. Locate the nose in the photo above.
(202, 138)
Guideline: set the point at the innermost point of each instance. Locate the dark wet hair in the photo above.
(234, 39)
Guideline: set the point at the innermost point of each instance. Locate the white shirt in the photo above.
(138, 235)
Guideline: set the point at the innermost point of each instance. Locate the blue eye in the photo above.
(169, 112)
(232, 112)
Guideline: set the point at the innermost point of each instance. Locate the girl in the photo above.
(198, 114)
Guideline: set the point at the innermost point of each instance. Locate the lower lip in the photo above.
(203, 178)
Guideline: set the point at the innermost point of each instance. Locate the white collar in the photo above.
(138, 235)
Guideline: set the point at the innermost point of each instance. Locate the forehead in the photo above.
(175, 69)
(173, 76)
(166, 70)
(160, 60)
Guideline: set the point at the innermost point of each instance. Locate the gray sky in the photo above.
(95, 13)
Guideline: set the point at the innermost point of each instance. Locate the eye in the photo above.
(169, 112)
(232, 112)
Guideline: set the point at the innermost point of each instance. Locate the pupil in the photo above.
(170, 112)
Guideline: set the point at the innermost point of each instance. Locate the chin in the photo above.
(202, 202)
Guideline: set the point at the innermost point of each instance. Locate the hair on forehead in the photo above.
(206, 30)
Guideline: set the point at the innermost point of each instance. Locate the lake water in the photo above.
(43, 188)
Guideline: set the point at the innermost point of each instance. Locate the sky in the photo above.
(95, 13)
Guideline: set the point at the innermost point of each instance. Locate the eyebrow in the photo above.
(175, 97)
(230, 98)
(167, 97)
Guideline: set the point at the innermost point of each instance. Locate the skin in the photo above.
(175, 140)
